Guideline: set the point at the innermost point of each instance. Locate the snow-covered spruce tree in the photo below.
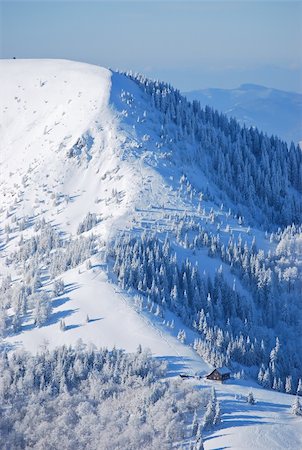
(208, 418)
(250, 398)
(217, 417)
(58, 287)
(16, 322)
(3, 321)
(194, 424)
(288, 385)
(212, 415)
(299, 388)
(41, 307)
(296, 408)
(199, 440)
(181, 336)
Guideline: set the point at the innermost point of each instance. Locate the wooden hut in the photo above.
(219, 374)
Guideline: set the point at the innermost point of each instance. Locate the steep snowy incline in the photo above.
(55, 103)
(67, 153)
(64, 119)
(74, 150)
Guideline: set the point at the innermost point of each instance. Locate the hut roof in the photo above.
(221, 370)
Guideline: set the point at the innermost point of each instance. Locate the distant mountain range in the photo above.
(271, 110)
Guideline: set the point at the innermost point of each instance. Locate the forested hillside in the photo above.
(259, 173)
(130, 218)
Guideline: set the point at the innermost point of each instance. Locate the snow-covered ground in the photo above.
(266, 425)
(114, 320)
(74, 141)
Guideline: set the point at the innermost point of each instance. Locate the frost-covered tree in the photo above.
(288, 385)
(194, 424)
(199, 440)
(181, 336)
(41, 308)
(217, 417)
(58, 287)
(250, 398)
(296, 407)
(88, 223)
(69, 388)
(212, 415)
(299, 388)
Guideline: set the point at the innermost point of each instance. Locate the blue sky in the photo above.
(190, 44)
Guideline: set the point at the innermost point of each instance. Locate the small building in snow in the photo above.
(219, 374)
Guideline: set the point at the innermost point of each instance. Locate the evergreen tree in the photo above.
(194, 424)
(212, 411)
(299, 388)
(288, 385)
(250, 398)
(199, 439)
(296, 407)
(42, 308)
(217, 417)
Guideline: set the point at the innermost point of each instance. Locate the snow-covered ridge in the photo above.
(54, 101)
(64, 120)
(85, 150)
(72, 151)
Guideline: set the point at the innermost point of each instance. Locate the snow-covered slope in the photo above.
(273, 111)
(78, 139)
(66, 155)
(64, 119)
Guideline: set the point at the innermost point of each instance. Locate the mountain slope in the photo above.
(65, 158)
(274, 111)
(106, 212)
(64, 118)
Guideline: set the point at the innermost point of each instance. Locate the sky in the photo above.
(191, 44)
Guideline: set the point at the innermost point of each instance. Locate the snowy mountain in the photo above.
(271, 110)
(129, 217)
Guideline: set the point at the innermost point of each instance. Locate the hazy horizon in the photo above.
(192, 45)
